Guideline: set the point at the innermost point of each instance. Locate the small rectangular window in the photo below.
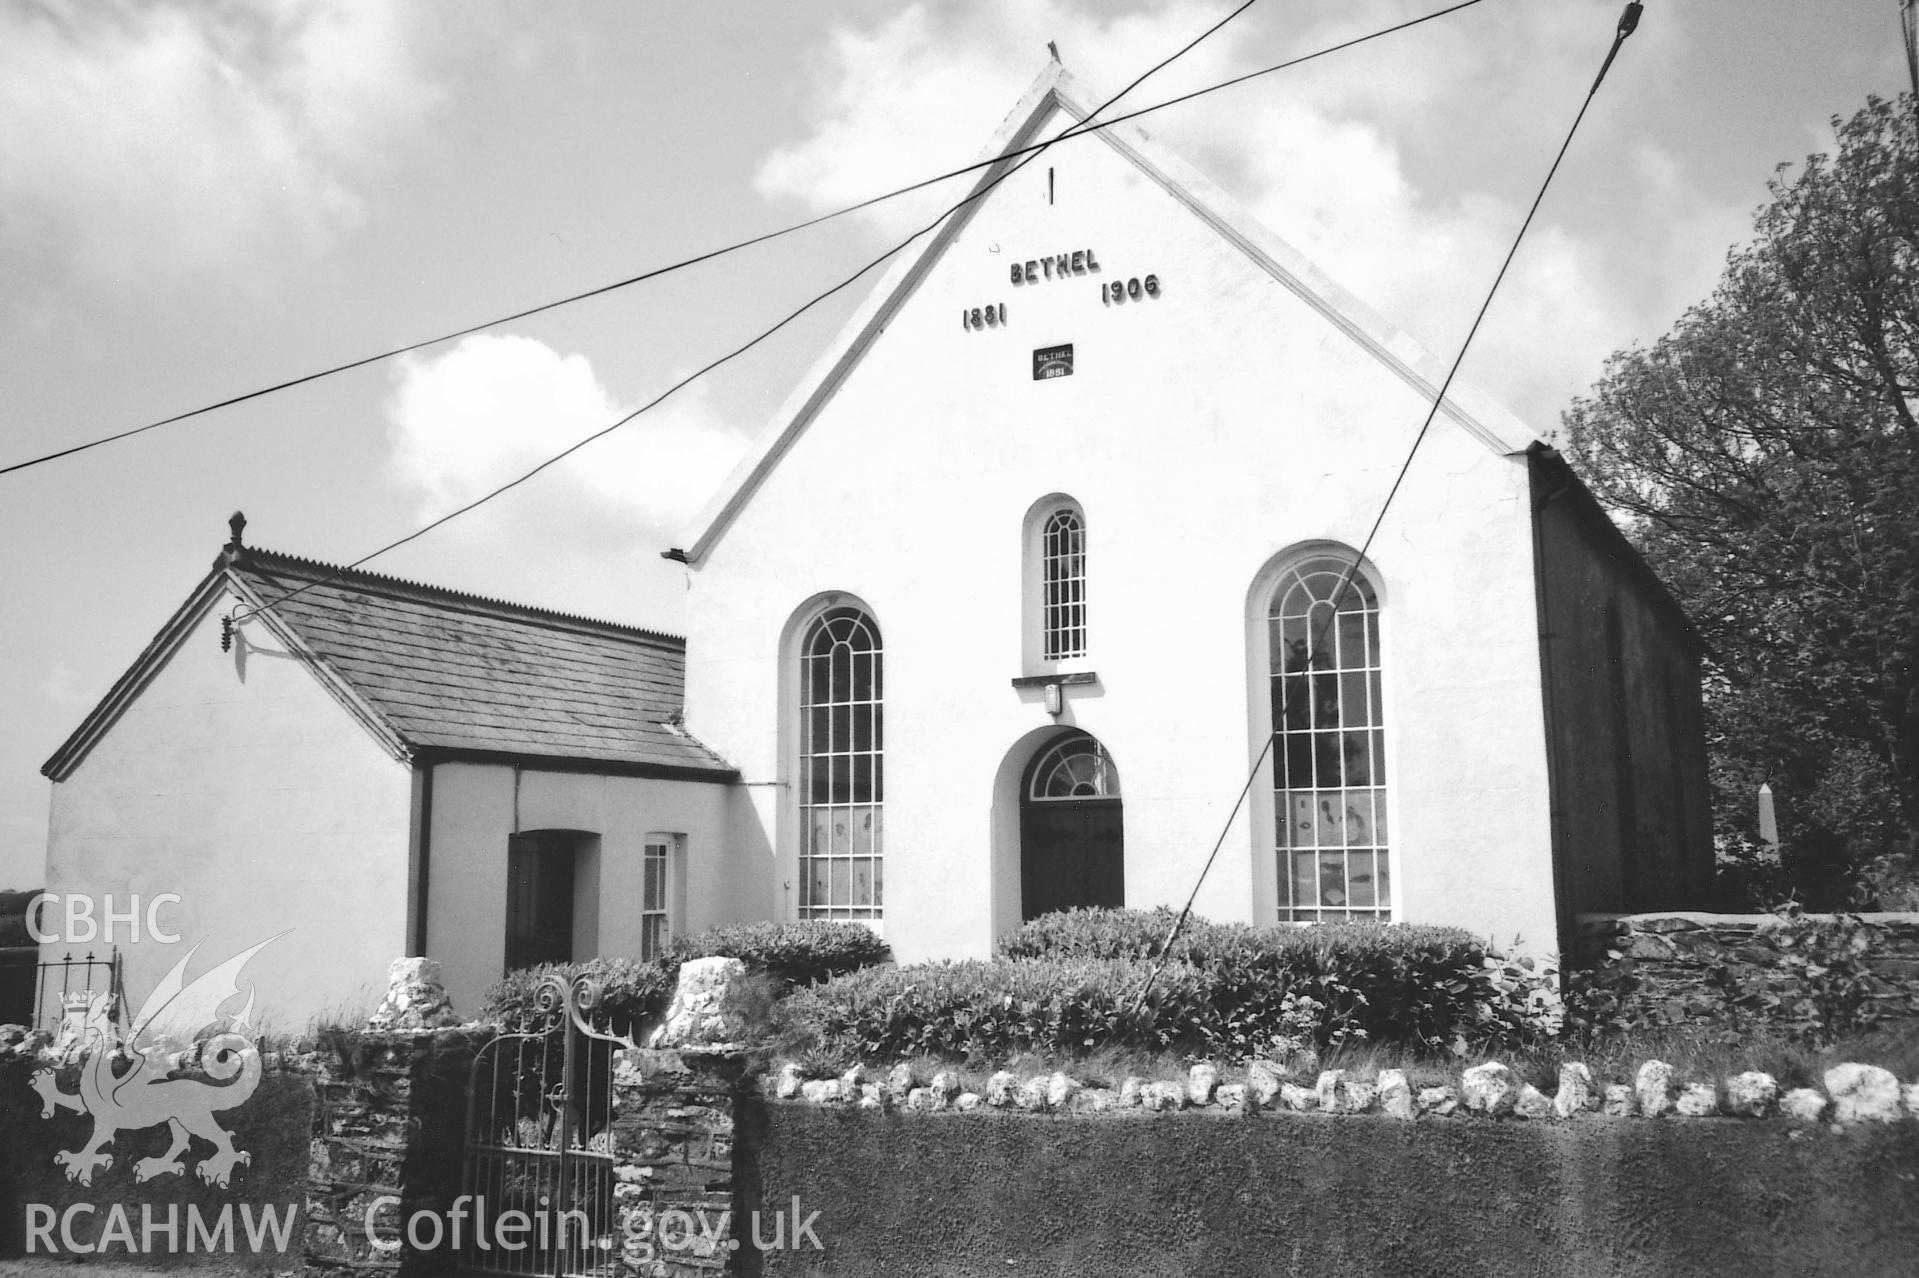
(657, 872)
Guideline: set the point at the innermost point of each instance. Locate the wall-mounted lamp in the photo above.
(1052, 688)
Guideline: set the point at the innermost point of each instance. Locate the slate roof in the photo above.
(449, 674)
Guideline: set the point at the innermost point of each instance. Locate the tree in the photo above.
(1764, 456)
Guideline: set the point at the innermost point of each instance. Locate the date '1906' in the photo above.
(1129, 290)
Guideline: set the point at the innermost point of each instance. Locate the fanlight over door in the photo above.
(1072, 835)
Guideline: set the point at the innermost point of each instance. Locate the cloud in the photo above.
(494, 406)
(1403, 168)
(145, 140)
(925, 89)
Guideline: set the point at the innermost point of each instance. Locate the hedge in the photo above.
(794, 953)
(635, 992)
(1072, 983)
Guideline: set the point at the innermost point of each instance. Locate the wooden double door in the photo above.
(1072, 854)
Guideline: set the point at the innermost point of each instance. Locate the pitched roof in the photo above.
(439, 673)
(1055, 87)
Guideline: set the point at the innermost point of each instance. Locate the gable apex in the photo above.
(1057, 90)
(222, 582)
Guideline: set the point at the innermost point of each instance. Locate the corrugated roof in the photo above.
(459, 672)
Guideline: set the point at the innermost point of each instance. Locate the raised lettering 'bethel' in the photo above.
(1056, 267)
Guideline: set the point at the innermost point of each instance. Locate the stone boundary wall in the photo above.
(1678, 964)
(1229, 1193)
(674, 1141)
(1328, 1173)
(388, 1122)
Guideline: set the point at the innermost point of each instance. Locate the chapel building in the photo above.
(1043, 590)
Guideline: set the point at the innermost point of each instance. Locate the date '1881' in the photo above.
(983, 316)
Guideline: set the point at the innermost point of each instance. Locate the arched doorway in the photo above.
(1072, 848)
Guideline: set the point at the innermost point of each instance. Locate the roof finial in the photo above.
(238, 523)
(1053, 49)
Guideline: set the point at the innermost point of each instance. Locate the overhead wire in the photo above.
(1628, 23)
(1027, 156)
(724, 250)
(1023, 155)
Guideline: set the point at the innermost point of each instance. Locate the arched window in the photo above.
(841, 783)
(1328, 756)
(1077, 767)
(1063, 583)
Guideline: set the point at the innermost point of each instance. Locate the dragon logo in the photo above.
(142, 1093)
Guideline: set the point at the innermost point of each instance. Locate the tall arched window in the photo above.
(1328, 757)
(1063, 582)
(841, 783)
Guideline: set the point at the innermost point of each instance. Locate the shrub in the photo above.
(1072, 982)
(1388, 982)
(1748, 876)
(633, 993)
(1093, 934)
(794, 953)
(1888, 882)
(993, 1009)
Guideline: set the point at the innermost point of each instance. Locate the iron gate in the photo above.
(539, 1161)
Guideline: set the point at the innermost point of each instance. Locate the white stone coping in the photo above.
(1854, 1093)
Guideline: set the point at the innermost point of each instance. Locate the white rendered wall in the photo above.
(236, 781)
(1203, 432)
(478, 806)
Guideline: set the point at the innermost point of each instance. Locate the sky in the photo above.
(203, 198)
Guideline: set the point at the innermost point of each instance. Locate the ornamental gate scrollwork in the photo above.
(537, 1184)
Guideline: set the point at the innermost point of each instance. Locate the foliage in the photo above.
(1398, 982)
(1764, 454)
(1749, 876)
(986, 1009)
(1520, 1006)
(1888, 882)
(793, 953)
(1808, 980)
(633, 993)
(1073, 983)
(1095, 934)
(1820, 988)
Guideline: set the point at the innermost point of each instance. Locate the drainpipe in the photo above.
(423, 861)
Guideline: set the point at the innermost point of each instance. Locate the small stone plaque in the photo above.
(1053, 361)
